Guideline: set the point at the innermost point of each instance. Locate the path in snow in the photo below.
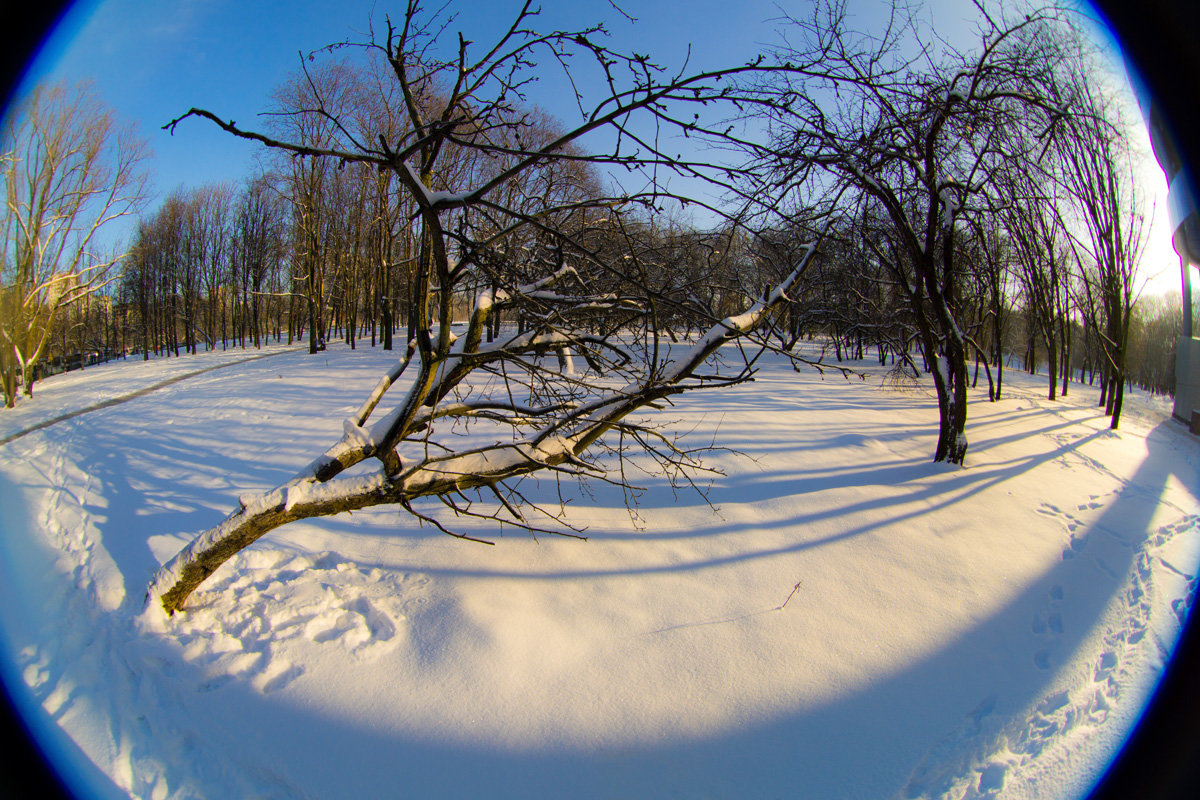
(124, 398)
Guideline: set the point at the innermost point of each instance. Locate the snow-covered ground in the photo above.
(851, 620)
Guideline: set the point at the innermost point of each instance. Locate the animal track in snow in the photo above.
(1167, 532)
(1048, 623)
(1077, 530)
(1070, 523)
(977, 759)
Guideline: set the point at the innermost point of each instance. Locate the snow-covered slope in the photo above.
(847, 620)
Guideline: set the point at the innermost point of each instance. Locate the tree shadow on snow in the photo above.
(926, 495)
(909, 734)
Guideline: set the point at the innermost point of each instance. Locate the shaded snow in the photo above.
(981, 632)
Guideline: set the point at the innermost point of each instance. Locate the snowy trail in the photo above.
(93, 678)
(987, 632)
(125, 398)
(1087, 674)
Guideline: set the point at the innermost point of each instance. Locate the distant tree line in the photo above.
(987, 211)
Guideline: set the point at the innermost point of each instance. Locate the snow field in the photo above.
(981, 632)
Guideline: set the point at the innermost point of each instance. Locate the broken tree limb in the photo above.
(318, 491)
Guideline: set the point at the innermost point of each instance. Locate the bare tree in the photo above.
(994, 277)
(69, 169)
(257, 251)
(586, 356)
(310, 107)
(212, 223)
(1099, 181)
(1038, 241)
(917, 131)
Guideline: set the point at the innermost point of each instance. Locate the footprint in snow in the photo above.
(1169, 531)
(1071, 525)
(1096, 501)
(277, 676)
(379, 624)
(991, 779)
(1049, 620)
(1182, 605)
(1105, 666)
(247, 625)
(357, 625)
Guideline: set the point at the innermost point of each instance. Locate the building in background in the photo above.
(1185, 237)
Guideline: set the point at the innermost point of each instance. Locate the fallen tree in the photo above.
(564, 432)
(509, 213)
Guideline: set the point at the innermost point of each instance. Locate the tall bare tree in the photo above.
(69, 169)
(1099, 180)
(915, 128)
(257, 245)
(1037, 238)
(212, 212)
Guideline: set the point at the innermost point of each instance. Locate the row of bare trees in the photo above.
(315, 246)
(208, 269)
(319, 246)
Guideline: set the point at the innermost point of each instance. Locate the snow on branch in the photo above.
(572, 424)
(555, 271)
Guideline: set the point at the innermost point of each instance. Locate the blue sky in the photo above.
(152, 60)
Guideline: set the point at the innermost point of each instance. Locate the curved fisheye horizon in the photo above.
(805, 422)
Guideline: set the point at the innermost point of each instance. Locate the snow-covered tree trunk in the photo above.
(950, 382)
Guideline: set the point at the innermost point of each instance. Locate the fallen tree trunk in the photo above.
(568, 431)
